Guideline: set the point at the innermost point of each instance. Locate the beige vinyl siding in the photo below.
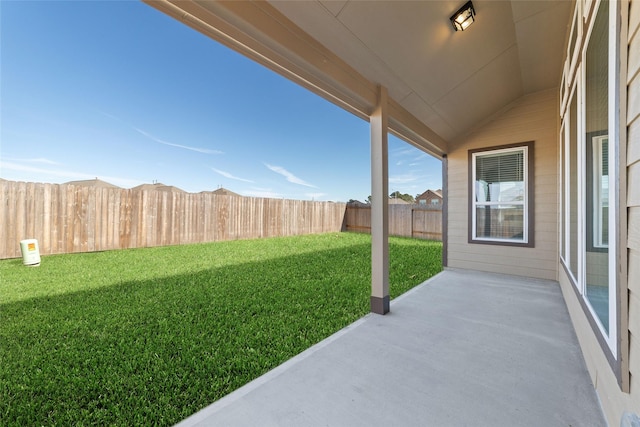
(634, 323)
(531, 118)
(633, 199)
(614, 401)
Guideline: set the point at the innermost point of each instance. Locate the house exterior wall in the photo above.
(633, 199)
(618, 397)
(532, 118)
(429, 198)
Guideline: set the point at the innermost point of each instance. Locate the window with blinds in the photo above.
(499, 195)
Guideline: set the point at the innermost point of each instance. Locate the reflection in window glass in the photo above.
(500, 222)
(597, 181)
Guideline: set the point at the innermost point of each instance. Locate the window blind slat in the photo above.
(500, 168)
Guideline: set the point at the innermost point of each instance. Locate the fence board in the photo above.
(56, 232)
(71, 233)
(21, 207)
(91, 222)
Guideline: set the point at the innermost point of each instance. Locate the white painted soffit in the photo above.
(261, 32)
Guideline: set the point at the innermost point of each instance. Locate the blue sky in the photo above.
(119, 91)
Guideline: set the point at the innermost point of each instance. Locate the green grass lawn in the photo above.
(150, 336)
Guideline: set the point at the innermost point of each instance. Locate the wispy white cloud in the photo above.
(185, 147)
(36, 174)
(32, 169)
(407, 156)
(158, 140)
(228, 175)
(403, 151)
(403, 179)
(409, 153)
(40, 160)
(423, 156)
(111, 116)
(288, 175)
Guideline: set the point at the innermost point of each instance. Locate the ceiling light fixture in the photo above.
(463, 17)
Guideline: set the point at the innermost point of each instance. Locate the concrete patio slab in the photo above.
(462, 349)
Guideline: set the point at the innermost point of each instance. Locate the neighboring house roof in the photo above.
(93, 183)
(159, 187)
(430, 194)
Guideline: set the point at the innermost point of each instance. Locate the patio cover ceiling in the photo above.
(441, 83)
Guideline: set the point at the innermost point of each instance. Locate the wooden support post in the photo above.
(379, 206)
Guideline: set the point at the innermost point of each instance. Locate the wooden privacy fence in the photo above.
(68, 218)
(404, 220)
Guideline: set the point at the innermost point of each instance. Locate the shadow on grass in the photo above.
(156, 351)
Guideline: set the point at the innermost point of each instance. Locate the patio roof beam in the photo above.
(380, 205)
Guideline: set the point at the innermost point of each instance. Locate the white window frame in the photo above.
(574, 91)
(576, 31)
(565, 88)
(586, 8)
(524, 203)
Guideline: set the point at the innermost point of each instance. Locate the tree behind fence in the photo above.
(68, 218)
